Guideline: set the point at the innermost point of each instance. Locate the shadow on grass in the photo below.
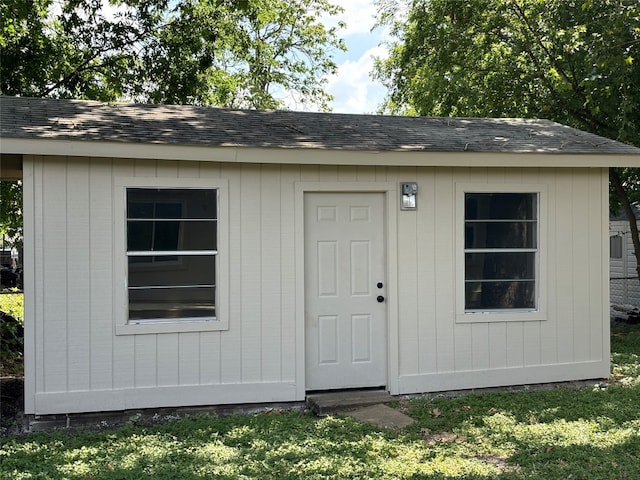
(557, 434)
(279, 446)
(618, 461)
(493, 445)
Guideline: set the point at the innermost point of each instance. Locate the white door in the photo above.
(345, 285)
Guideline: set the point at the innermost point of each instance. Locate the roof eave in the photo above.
(313, 156)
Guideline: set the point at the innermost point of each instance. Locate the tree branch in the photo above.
(583, 116)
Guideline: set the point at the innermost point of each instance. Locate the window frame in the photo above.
(121, 318)
(464, 315)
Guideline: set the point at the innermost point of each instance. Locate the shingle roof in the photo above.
(31, 118)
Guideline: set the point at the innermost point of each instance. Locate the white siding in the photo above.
(80, 357)
(100, 314)
(574, 334)
(81, 365)
(625, 287)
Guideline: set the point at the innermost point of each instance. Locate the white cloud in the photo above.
(352, 87)
(359, 15)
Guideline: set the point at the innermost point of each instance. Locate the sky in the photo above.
(352, 87)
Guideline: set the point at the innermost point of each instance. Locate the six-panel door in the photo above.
(345, 317)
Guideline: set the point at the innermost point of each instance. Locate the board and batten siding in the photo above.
(572, 341)
(79, 363)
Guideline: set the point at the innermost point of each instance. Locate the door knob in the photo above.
(380, 299)
(379, 285)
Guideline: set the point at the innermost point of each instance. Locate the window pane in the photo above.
(500, 266)
(184, 270)
(168, 210)
(199, 235)
(139, 209)
(151, 259)
(149, 235)
(166, 235)
(139, 236)
(615, 246)
(500, 295)
(502, 206)
(172, 303)
(170, 203)
(501, 235)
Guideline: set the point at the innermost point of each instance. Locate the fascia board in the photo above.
(313, 156)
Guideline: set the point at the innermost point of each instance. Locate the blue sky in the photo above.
(352, 87)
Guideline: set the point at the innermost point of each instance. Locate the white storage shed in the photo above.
(177, 255)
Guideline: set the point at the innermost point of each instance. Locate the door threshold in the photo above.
(380, 388)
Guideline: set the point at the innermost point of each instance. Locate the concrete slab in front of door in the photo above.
(364, 405)
(334, 402)
(382, 416)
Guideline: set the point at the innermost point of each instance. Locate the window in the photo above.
(172, 263)
(501, 251)
(171, 254)
(615, 246)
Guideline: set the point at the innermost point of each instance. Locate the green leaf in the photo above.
(163, 51)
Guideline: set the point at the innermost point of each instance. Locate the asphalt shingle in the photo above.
(204, 126)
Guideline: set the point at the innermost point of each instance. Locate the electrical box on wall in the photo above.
(408, 195)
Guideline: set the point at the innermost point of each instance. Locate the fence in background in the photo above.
(625, 291)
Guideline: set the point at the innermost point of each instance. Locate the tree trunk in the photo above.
(622, 195)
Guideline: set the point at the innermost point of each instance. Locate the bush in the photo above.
(13, 304)
(11, 337)
(11, 326)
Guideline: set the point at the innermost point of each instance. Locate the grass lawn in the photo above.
(564, 433)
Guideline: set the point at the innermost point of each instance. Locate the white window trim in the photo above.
(542, 282)
(120, 264)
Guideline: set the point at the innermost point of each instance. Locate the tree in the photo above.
(211, 52)
(573, 61)
(229, 53)
(11, 212)
(70, 49)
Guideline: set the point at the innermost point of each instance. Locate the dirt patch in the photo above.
(11, 395)
(11, 404)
